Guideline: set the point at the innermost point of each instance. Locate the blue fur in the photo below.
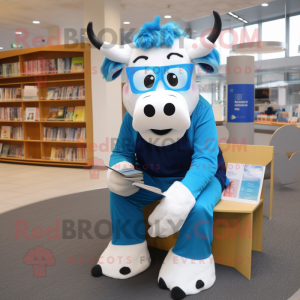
(152, 34)
(111, 70)
(209, 63)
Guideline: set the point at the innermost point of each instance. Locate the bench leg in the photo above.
(244, 245)
(232, 244)
(258, 228)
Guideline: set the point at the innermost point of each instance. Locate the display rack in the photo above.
(36, 149)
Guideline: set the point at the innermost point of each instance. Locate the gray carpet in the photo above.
(275, 271)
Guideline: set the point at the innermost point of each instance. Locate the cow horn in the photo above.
(217, 28)
(92, 37)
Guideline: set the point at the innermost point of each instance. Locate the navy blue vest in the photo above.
(172, 160)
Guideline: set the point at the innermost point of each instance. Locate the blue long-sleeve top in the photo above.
(206, 160)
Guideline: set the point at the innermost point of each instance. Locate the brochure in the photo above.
(245, 183)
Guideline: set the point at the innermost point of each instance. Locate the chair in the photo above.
(237, 226)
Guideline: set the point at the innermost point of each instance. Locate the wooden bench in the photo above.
(238, 226)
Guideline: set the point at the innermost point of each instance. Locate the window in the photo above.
(226, 40)
(273, 31)
(294, 36)
(252, 34)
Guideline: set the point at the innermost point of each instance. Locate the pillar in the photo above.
(107, 101)
(240, 99)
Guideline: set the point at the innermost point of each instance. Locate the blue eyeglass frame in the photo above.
(159, 75)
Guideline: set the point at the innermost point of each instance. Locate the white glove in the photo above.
(170, 214)
(117, 183)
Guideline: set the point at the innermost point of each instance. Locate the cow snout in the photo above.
(169, 110)
(161, 110)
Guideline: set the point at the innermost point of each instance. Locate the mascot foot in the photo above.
(121, 262)
(183, 276)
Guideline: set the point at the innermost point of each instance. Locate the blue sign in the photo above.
(240, 103)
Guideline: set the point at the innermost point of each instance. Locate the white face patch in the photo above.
(161, 116)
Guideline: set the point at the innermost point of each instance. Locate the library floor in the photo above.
(25, 184)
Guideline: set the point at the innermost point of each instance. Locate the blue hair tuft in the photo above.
(152, 34)
(111, 69)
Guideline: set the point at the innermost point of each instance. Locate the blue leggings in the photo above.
(196, 234)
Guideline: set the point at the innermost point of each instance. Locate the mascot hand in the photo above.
(169, 216)
(117, 183)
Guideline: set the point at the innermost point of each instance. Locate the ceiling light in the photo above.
(168, 17)
(18, 32)
(36, 22)
(83, 35)
(126, 22)
(232, 14)
(237, 17)
(265, 4)
(194, 30)
(1, 48)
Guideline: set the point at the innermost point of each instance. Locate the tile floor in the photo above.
(24, 184)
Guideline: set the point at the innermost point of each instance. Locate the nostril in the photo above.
(169, 109)
(149, 110)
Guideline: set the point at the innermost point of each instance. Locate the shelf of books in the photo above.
(46, 105)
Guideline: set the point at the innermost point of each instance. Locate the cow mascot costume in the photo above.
(169, 133)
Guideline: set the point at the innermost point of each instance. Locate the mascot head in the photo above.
(161, 93)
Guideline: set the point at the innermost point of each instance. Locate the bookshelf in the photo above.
(36, 149)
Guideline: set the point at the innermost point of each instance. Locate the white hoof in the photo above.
(123, 262)
(183, 276)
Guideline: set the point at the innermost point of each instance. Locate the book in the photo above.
(56, 113)
(77, 64)
(75, 92)
(1, 146)
(5, 132)
(79, 113)
(30, 92)
(52, 66)
(69, 113)
(245, 183)
(60, 65)
(81, 92)
(13, 150)
(69, 92)
(30, 114)
(50, 93)
(149, 188)
(5, 150)
(128, 173)
(68, 62)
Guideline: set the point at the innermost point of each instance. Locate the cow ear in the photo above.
(209, 63)
(111, 69)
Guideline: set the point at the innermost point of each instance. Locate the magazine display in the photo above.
(65, 92)
(65, 134)
(53, 66)
(245, 183)
(10, 69)
(7, 94)
(68, 154)
(11, 132)
(67, 113)
(11, 113)
(12, 150)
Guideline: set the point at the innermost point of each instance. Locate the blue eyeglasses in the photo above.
(145, 79)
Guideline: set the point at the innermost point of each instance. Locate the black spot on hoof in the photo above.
(199, 284)
(162, 284)
(177, 293)
(97, 271)
(125, 270)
